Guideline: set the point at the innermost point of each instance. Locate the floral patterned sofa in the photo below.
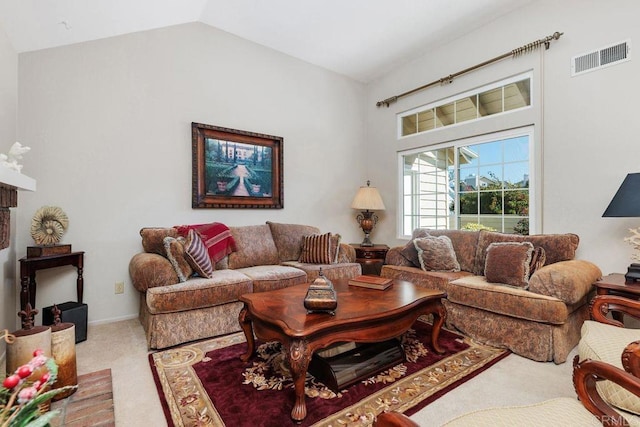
(524, 293)
(177, 306)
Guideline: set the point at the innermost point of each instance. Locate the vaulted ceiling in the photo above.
(362, 39)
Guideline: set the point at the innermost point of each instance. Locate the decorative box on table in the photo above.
(47, 250)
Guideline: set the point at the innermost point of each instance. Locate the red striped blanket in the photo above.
(215, 236)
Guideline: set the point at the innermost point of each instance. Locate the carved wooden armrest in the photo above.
(585, 376)
(631, 358)
(393, 419)
(601, 305)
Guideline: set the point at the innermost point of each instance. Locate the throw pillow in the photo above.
(538, 258)
(176, 255)
(197, 255)
(410, 253)
(316, 249)
(509, 263)
(335, 247)
(436, 254)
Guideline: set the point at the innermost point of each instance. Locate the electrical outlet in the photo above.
(119, 287)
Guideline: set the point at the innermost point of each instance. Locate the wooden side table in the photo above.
(371, 258)
(29, 266)
(616, 284)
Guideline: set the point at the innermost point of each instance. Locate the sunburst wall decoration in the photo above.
(48, 225)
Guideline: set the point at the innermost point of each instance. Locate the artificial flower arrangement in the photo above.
(26, 389)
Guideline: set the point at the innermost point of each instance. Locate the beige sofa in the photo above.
(539, 319)
(173, 312)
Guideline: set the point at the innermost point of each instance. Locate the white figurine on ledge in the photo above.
(10, 160)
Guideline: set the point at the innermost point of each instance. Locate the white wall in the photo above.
(8, 111)
(586, 126)
(109, 123)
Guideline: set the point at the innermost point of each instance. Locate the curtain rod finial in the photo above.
(387, 101)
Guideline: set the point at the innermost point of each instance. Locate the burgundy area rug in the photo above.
(206, 383)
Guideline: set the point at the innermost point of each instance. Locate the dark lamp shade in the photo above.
(626, 202)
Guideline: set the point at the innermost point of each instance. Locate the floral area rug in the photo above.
(206, 383)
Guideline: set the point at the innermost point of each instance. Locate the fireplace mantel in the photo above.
(10, 182)
(12, 179)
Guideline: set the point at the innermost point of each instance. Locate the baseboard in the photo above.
(114, 319)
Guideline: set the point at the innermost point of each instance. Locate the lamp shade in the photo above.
(626, 202)
(368, 198)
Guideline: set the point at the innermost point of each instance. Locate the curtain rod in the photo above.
(530, 47)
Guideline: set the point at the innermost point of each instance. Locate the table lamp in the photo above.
(626, 203)
(367, 199)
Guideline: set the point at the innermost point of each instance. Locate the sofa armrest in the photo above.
(346, 253)
(151, 270)
(569, 281)
(394, 257)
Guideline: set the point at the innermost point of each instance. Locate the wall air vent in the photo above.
(600, 58)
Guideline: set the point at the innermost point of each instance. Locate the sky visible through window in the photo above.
(505, 160)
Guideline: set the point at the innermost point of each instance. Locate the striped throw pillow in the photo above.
(316, 249)
(196, 254)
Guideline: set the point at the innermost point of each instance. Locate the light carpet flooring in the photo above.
(121, 346)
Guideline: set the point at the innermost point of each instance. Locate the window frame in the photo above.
(456, 144)
(459, 96)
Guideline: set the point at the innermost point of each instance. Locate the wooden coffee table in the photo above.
(363, 315)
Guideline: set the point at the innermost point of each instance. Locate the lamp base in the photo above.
(367, 221)
(366, 242)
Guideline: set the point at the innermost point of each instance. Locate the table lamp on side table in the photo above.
(367, 199)
(626, 203)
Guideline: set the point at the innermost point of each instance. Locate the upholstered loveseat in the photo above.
(178, 306)
(537, 312)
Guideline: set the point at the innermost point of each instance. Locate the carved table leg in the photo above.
(439, 315)
(247, 327)
(299, 356)
(80, 284)
(32, 289)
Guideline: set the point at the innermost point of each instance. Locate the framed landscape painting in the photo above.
(235, 169)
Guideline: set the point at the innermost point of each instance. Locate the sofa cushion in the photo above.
(175, 254)
(568, 281)
(557, 247)
(153, 238)
(475, 291)
(225, 286)
(509, 263)
(464, 244)
(255, 246)
(606, 343)
(271, 277)
(344, 270)
(436, 254)
(196, 254)
(316, 249)
(438, 280)
(288, 238)
(346, 253)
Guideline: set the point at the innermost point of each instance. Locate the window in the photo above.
(478, 182)
(507, 95)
